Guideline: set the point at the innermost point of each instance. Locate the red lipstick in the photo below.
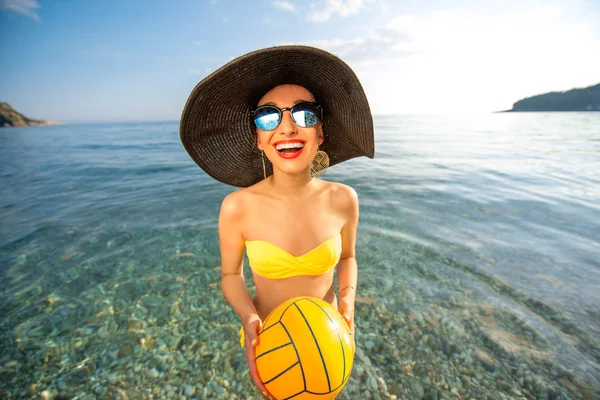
(289, 156)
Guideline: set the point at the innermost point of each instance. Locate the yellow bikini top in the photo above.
(272, 262)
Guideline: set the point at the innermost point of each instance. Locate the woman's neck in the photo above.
(291, 185)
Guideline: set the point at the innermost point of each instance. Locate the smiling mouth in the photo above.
(289, 150)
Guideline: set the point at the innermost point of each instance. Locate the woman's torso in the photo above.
(296, 226)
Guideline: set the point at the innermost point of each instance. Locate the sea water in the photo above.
(478, 251)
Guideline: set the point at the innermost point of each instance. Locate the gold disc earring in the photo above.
(319, 164)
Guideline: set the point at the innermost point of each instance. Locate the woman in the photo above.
(271, 121)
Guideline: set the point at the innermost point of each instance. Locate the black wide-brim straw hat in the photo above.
(218, 133)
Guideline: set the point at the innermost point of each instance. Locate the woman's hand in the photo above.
(252, 325)
(346, 308)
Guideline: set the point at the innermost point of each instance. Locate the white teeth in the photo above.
(282, 146)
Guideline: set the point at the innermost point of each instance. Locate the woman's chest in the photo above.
(296, 227)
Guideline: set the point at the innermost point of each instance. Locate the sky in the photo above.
(138, 60)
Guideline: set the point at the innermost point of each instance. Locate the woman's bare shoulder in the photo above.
(342, 195)
(236, 202)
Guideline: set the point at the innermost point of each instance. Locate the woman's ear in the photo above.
(257, 142)
(320, 135)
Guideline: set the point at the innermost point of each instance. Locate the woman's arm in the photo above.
(231, 241)
(347, 269)
(233, 284)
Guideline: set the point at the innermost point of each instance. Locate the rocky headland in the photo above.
(583, 99)
(9, 117)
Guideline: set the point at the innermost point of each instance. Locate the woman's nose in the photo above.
(287, 126)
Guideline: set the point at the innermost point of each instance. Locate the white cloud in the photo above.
(379, 45)
(342, 7)
(465, 61)
(24, 7)
(498, 61)
(285, 6)
(385, 6)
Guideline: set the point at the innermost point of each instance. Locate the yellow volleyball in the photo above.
(305, 350)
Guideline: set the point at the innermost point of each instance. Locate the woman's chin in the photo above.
(293, 170)
(292, 166)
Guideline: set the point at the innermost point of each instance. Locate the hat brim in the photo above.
(216, 129)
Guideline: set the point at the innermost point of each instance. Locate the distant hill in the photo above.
(9, 117)
(585, 99)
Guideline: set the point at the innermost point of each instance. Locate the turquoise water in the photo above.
(478, 252)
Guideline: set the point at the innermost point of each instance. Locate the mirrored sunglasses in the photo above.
(305, 114)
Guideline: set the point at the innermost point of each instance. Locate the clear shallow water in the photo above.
(490, 222)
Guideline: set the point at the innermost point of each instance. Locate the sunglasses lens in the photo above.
(305, 115)
(266, 118)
